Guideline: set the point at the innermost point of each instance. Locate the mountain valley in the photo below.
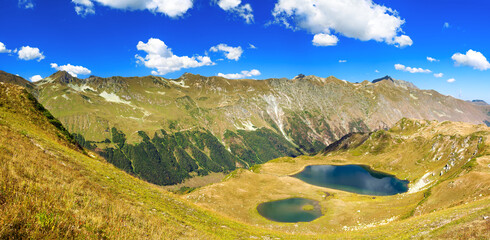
(167, 130)
(52, 188)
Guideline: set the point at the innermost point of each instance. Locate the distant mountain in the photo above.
(479, 102)
(166, 130)
(385, 78)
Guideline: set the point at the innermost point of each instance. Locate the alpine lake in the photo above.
(357, 179)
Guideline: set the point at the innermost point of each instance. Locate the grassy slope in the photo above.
(446, 207)
(50, 189)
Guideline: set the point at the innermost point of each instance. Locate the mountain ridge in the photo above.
(254, 120)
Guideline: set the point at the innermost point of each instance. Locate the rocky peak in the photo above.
(62, 77)
(387, 78)
(300, 76)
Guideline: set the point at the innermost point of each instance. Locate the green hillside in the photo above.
(256, 121)
(50, 188)
(168, 130)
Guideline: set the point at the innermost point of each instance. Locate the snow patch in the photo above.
(420, 184)
(457, 110)
(112, 97)
(181, 83)
(247, 125)
(65, 97)
(414, 97)
(44, 81)
(80, 88)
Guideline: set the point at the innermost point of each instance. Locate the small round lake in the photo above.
(291, 210)
(353, 178)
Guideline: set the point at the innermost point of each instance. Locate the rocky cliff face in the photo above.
(253, 120)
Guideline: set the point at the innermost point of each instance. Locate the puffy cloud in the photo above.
(26, 4)
(451, 80)
(446, 25)
(35, 78)
(432, 59)
(242, 74)
(404, 68)
(232, 53)
(160, 57)
(438, 75)
(171, 8)
(72, 70)
(342, 61)
(402, 41)
(360, 19)
(473, 59)
(228, 4)
(376, 71)
(322, 39)
(234, 6)
(30, 53)
(3, 48)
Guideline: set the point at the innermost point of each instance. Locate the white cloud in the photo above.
(3, 48)
(446, 25)
(242, 74)
(30, 53)
(84, 7)
(72, 70)
(171, 8)
(438, 75)
(376, 71)
(251, 46)
(451, 80)
(473, 59)
(322, 39)
(360, 19)
(342, 61)
(26, 4)
(402, 67)
(232, 53)
(160, 57)
(234, 6)
(35, 78)
(402, 41)
(432, 59)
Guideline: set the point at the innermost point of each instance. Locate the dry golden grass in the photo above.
(49, 189)
(408, 158)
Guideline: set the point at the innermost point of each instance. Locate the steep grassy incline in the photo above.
(49, 188)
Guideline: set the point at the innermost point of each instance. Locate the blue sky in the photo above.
(109, 37)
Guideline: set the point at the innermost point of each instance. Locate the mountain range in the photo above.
(167, 130)
(51, 188)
